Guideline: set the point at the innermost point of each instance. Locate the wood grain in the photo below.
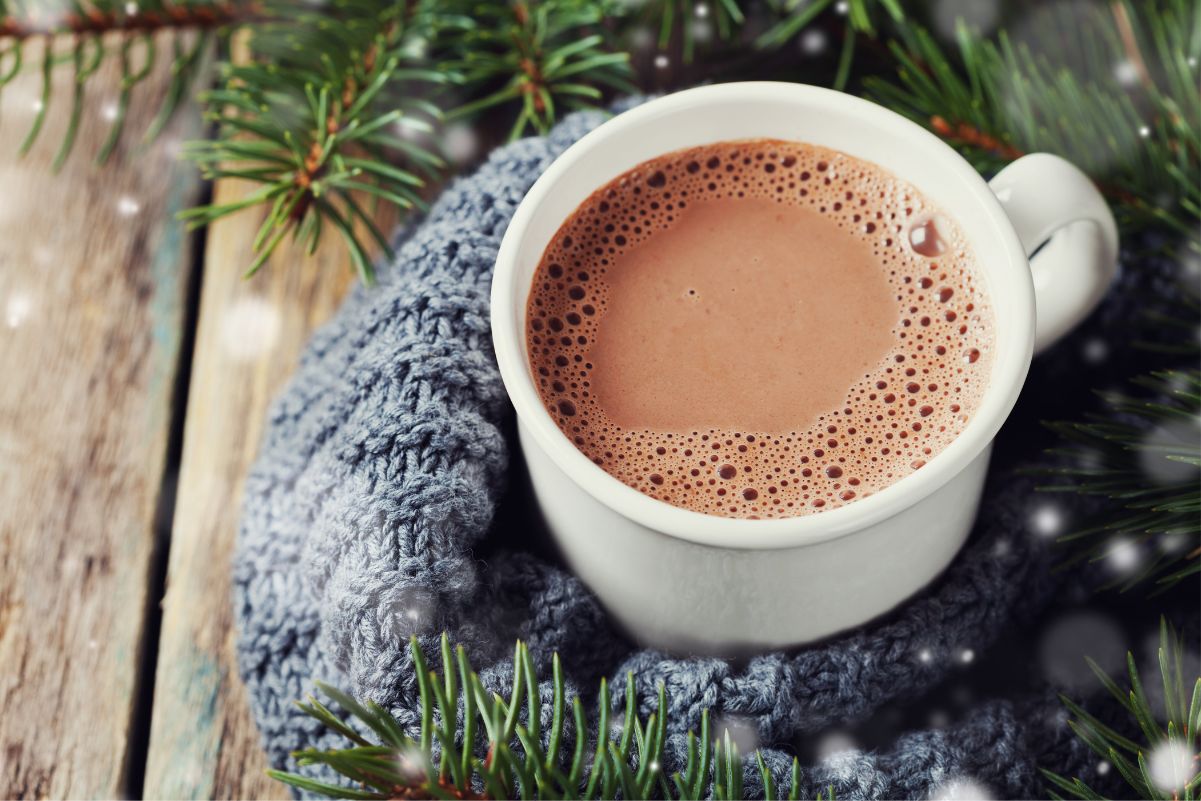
(203, 743)
(93, 276)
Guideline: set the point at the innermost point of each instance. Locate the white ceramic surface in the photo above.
(691, 582)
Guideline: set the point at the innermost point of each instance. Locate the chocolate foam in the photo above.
(918, 393)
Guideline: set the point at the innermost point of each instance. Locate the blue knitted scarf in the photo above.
(369, 518)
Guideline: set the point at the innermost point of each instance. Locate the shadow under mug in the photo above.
(691, 582)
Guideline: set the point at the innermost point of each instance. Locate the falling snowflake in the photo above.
(833, 744)
(813, 42)
(1095, 350)
(128, 206)
(1047, 520)
(1125, 72)
(460, 143)
(1189, 260)
(743, 732)
(249, 328)
(978, 16)
(17, 309)
(1171, 765)
(410, 763)
(1176, 438)
(1123, 556)
(961, 789)
(414, 610)
(1068, 638)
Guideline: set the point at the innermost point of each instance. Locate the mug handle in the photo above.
(1052, 204)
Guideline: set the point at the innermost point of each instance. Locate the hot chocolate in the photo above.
(758, 329)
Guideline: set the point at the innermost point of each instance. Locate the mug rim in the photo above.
(1004, 383)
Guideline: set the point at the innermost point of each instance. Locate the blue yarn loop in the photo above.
(367, 518)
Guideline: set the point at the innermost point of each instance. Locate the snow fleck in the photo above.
(813, 42)
(1047, 520)
(1095, 350)
(128, 206)
(961, 789)
(1125, 72)
(250, 328)
(743, 732)
(834, 743)
(1123, 556)
(1170, 765)
(17, 309)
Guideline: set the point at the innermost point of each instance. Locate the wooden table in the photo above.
(135, 369)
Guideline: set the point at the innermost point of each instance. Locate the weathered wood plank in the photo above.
(203, 742)
(93, 276)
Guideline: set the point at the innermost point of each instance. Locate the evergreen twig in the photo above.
(541, 57)
(325, 116)
(523, 757)
(81, 34)
(996, 100)
(1166, 764)
(684, 21)
(1145, 456)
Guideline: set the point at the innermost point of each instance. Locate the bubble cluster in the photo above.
(896, 418)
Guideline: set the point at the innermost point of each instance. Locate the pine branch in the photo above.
(327, 115)
(1144, 455)
(797, 14)
(338, 103)
(521, 758)
(688, 22)
(1166, 764)
(540, 57)
(861, 17)
(995, 100)
(25, 20)
(83, 34)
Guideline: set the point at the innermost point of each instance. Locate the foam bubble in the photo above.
(900, 415)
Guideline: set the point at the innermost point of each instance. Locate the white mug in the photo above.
(696, 583)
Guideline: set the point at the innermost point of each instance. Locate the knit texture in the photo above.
(368, 519)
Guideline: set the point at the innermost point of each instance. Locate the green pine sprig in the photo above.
(1166, 762)
(679, 21)
(81, 36)
(503, 750)
(797, 14)
(995, 100)
(861, 16)
(542, 58)
(327, 118)
(1110, 456)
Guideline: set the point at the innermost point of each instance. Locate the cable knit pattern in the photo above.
(367, 519)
